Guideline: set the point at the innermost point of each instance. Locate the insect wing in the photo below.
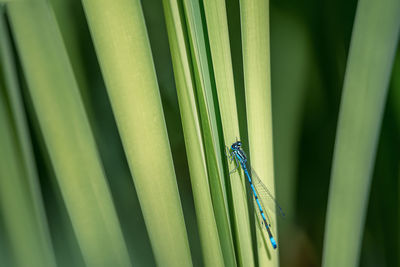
(265, 195)
(260, 221)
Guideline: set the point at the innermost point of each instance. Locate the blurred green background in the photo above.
(309, 47)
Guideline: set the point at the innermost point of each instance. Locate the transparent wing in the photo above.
(265, 195)
(260, 223)
(260, 220)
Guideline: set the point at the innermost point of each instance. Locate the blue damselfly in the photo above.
(262, 196)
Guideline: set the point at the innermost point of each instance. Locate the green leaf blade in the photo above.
(67, 134)
(209, 127)
(257, 76)
(217, 26)
(121, 42)
(194, 143)
(374, 39)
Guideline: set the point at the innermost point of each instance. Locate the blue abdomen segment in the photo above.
(242, 160)
(272, 239)
(273, 242)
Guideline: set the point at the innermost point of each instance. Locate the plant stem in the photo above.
(25, 181)
(257, 77)
(373, 45)
(209, 238)
(208, 116)
(67, 134)
(217, 25)
(123, 49)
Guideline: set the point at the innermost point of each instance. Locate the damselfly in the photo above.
(262, 196)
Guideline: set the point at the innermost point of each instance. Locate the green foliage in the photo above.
(257, 81)
(20, 197)
(372, 50)
(217, 26)
(67, 134)
(87, 97)
(193, 139)
(208, 119)
(125, 58)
